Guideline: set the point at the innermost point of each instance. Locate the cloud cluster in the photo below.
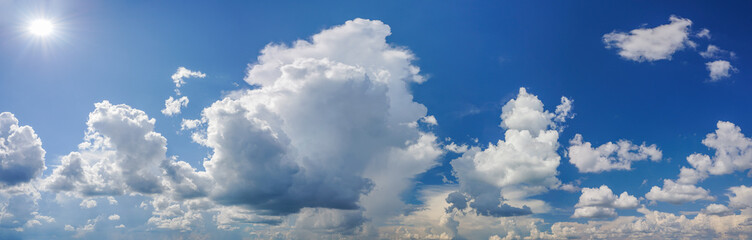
(609, 156)
(651, 44)
(602, 202)
(661, 42)
(121, 155)
(521, 165)
(733, 152)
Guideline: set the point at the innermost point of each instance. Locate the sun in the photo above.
(41, 27)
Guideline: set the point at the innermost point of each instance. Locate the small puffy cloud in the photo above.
(717, 209)
(704, 33)
(179, 76)
(714, 51)
(112, 200)
(172, 106)
(526, 113)
(521, 165)
(740, 197)
(88, 203)
(569, 187)
(69, 228)
(430, 120)
(453, 147)
(594, 212)
(651, 44)
(187, 124)
(564, 110)
(677, 193)
(21, 152)
(609, 156)
(114, 217)
(601, 203)
(120, 226)
(719, 69)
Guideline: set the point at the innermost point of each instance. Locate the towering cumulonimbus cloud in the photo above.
(521, 165)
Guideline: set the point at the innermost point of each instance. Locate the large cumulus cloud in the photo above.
(330, 124)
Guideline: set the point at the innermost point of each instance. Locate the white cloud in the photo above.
(179, 76)
(569, 187)
(719, 69)
(172, 106)
(677, 193)
(714, 51)
(521, 165)
(564, 110)
(740, 197)
(609, 156)
(717, 209)
(69, 228)
(733, 151)
(112, 200)
(88, 203)
(453, 147)
(430, 120)
(21, 153)
(651, 44)
(114, 217)
(187, 124)
(594, 212)
(704, 33)
(601, 203)
(118, 226)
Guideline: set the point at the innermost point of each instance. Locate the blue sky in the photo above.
(422, 119)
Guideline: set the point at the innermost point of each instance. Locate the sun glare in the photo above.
(41, 27)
